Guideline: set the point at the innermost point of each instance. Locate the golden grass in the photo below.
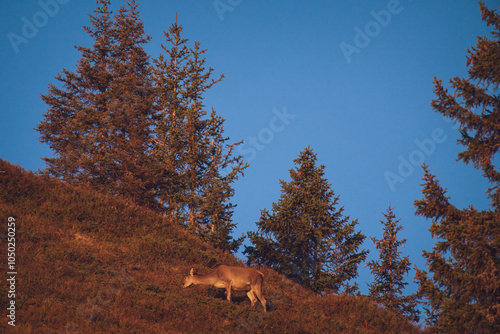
(90, 263)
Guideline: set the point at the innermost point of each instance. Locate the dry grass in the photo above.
(88, 263)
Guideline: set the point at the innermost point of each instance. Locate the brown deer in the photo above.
(232, 278)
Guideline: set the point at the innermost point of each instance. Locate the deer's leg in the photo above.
(258, 293)
(252, 297)
(228, 291)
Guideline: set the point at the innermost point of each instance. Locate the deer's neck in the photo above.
(205, 279)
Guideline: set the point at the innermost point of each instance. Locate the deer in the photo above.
(232, 278)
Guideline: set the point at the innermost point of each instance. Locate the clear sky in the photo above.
(352, 79)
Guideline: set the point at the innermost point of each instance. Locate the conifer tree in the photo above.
(390, 269)
(462, 287)
(99, 122)
(216, 222)
(133, 109)
(305, 236)
(190, 145)
(73, 126)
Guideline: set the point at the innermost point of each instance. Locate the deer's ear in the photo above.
(191, 272)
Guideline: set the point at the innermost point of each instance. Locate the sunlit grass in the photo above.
(90, 263)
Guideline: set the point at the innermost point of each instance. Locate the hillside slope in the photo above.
(90, 263)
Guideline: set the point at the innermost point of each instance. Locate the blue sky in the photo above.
(352, 79)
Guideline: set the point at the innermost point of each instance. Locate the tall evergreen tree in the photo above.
(73, 126)
(305, 236)
(133, 110)
(190, 146)
(217, 210)
(462, 286)
(170, 133)
(99, 122)
(389, 271)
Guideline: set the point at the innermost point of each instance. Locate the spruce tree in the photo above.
(190, 146)
(305, 236)
(133, 110)
(74, 123)
(170, 141)
(99, 122)
(390, 269)
(462, 287)
(223, 170)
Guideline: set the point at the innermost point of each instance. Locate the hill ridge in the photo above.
(91, 263)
